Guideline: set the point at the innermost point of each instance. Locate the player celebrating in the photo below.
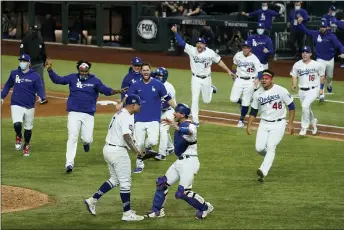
(147, 121)
(133, 75)
(201, 59)
(26, 83)
(183, 169)
(84, 90)
(166, 144)
(271, 100)
(248, 70)
(115, 151)
(311, 74)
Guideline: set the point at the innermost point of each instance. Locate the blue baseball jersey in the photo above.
(83, 95)
(325, 44)
(293, 16)
(151, 95)
(259, 42)
(265, 16)
(340, 24)
(181, 140)
(25, 86)
(130, 79)
(329, 18)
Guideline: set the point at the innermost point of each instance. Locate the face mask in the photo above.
(297, 7)
(264, 7)
(23, 65)
(83, 77)
(333, 14)
(260, 31)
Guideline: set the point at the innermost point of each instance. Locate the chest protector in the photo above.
(180, 143)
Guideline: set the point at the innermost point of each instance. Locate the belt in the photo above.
(306, 89)
(247, 78)
(164, 110)
(281, 119)
(186, 156)
(118, 146)
(202, 77)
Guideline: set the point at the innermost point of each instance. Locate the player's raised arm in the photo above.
(54, 76)
(181, 42)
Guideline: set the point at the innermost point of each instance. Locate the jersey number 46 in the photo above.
(277, 105)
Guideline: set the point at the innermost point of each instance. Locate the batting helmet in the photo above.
(183, 109)
(161, 74)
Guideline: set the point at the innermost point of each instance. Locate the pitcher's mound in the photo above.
(18, 199)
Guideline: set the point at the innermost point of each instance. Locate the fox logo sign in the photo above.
(147, 29)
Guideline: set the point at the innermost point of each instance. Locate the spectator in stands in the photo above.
(296, 35)
(48, 29)
(264, 15)
(208, 34)
(330, 17)
(234, 44)
(166, 9)
(75, 34)
(194, 9)
(6, 24)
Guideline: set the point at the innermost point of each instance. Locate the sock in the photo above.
(126, 201)
(27, 136)
(18, 128)
(239, 101)
(244, 111)
(107, 186)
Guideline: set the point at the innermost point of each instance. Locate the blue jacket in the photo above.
(259, 42)
(25, 86)
(83, 95)
(293, 15)
(325, 44)
(329, 18)
(129, 79)
(340, 24)
(265, 16)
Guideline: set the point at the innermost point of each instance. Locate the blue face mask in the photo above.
(23, 65)
(83, 77)
(260, 31)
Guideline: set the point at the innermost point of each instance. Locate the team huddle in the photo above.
(148, 110)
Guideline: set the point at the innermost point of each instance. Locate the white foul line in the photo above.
(340, 102)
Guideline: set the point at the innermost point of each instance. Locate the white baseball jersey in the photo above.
(247, 66)
(308, 74)
(170, 90)
(272, 103)
(200, 63)
(122, 123)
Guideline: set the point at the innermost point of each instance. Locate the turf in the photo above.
(303, 189)
(111, 74)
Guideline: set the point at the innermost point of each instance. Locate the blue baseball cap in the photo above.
(133, 99)
(324, 23)
(202, 40)
(24, 57)
(247, 43)
(261, 25)
(136, 61)
(307, 49)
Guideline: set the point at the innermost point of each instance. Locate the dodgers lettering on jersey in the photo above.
(272, 103)
(151, 95)
(170, 91)
(83, 95)
(121, 123)
(308, 74)
(25, 86)
(182, 142)
(259, 42)
(247, 66)
(200, 63)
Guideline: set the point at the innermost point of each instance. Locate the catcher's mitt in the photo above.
(147, 154)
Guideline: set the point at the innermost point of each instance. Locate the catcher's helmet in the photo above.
(183, 109)
(161, 74)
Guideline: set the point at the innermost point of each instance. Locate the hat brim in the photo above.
(23, 59)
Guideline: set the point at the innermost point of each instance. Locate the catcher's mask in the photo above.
(83, 68)
(183, 109)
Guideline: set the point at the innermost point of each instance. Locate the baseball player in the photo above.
(271, 100)
(133, 75)
(119, 138)
(166, 144)
(248, 70)
(201, 59)
(26, 82)
(147, 121)
(261, 45)
(326, 44)
(183, 169)
(310, 74)
(84, 89)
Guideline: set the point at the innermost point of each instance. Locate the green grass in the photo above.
(303, 190)
(111, 74)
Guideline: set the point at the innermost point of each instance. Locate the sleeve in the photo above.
(57, 79)
(216, 58)
(255, 13)
(103, 89)
(124, 84)
(188, 49)
(269, 45)
(193, 129)
(125, 126)
(304, 29)
(274, 13)
(162, 91)
(293, 71)
(337, 44)
(180, 40)
(286, 97)
(305, 16)
(8, 85)
(254, 103)
(39, 87)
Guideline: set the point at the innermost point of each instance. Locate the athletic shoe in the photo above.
(26, 151)
(91, 205)
(131, 216)
(138, 170)
(329, 89)
(322, 98)
(303, 132)
(157, 214)
(169, 151)
(203, 214)
(315, 128)
(69, 169)
(19, 144)
(261, 175)
(87, 148)
(214, 88)
(240, 124)
(160, 157)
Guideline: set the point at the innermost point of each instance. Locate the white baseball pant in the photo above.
(165, 137)
(329, 69)
(183, 171)
(23, 115)
(306, 99)
(199, 85)
(244, 87)
(269, 135)
(77, 121)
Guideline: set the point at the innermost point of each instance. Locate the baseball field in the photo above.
(303, 189)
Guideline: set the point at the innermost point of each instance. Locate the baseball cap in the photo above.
(307, 49)
(324, 23)
(136, 61)
(24, 57)
(260, 25)
(247, 43)
(202, 40)
(333, 8)
(133, 99)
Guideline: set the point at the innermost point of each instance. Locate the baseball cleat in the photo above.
(19, 144)
(138, 170)
(240, 124)
(160, 157)
(131, 216)
(321, 98)
(169, 151)
(303, 132)
(214, 88)
(329, 89)
(69, 169)
(43, 102)
(157, 214)
(26, 151)
(261, 175)
(315, 128)
(87, 148)
(204, 214)
(90, 205)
